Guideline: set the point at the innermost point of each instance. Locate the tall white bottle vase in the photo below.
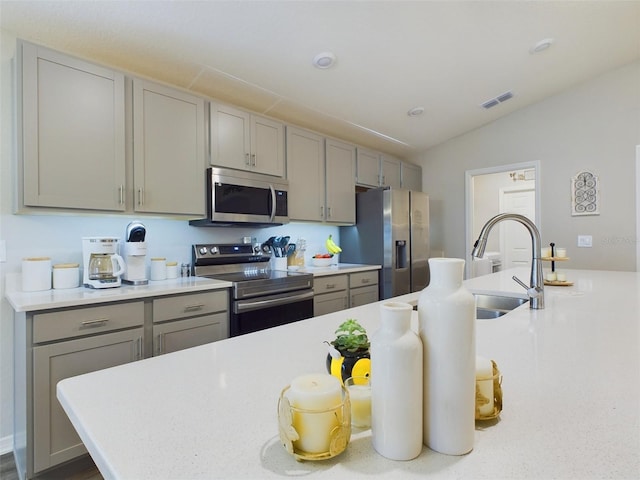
(396, 384)
(446, 313)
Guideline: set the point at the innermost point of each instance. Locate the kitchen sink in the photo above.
(494, 306)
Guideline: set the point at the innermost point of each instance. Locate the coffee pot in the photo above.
(102, 265)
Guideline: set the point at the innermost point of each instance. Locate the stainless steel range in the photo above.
(260, 297)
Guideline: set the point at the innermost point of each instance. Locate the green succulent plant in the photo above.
(351, 337)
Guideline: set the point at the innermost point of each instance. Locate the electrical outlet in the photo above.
(585, 241)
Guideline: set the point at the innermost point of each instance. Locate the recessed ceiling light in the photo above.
(541, 46)
(324, 60)
(415, 111)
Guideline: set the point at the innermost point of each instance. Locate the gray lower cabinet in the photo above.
(57, 440)
(333, 293)
(363, 288)
(185, 321)
(330, 294)
(53, 345)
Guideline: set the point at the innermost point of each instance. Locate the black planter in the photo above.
(350, 364)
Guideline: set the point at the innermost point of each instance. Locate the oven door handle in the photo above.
(249, 305)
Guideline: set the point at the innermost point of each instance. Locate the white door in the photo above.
(515, 240)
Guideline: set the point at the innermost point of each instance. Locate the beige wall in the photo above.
(593, 126)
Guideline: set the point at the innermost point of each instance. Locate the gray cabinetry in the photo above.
(169, 150)
(73, 132)
(389, 171)
(330, 294)
(321, 176)
(411, 177)
(363, 288)
(340, 166)
(55, 345)
(367, 167)
(245, 141)
(333, 293)
(185, 321)
(305, 172)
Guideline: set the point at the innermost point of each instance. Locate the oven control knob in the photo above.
(202, 250)
(214, 250)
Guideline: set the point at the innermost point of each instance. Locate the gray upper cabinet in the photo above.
(73, 132)
(411, 176)
(169, 150)
(367, 167)
(321, 178)
(340, 182)
(305, 172)
(389, 171)
(245, 141)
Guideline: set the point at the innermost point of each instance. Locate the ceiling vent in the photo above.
(497, 100)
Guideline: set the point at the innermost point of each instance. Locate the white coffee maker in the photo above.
(102, 264)
(134, 251)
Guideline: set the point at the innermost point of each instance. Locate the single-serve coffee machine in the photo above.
(102, 264)
(134, 251)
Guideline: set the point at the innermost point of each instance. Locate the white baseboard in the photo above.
(6, 444)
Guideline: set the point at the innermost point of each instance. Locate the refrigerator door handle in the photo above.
(401, 254)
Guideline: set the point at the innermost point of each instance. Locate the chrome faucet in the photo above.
(536, 289)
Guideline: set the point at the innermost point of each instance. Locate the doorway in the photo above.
(494, 190)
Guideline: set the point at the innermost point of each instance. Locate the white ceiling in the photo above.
(446, 56)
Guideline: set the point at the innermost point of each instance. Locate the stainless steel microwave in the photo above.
(235, 197)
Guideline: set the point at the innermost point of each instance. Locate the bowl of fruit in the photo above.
(321, 259)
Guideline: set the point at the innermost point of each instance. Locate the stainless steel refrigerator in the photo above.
(392, 230)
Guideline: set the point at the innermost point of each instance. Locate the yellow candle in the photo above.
(360, 396)
(551, 276)
(561, 277)
(561, 252)
(484, 379)
(314, 399)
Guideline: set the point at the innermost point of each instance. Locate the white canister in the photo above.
(66, 275)
(172, 269)
(36, 274)
(158, 268)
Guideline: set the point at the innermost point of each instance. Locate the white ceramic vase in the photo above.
(446, 313)
(396, 384)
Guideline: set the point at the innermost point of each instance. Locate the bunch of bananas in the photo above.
(332, 247)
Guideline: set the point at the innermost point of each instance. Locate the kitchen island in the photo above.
(570, 372)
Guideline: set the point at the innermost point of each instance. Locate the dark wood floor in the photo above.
(83, 469)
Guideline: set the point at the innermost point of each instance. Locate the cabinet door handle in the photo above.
(330, 286)
(121, 194)
(192, 308)
(140, 196)
(97, 322)
(328, 212)
(247, 162)
(364, 280)
(253, 160)
(139, 353)
(160, 347)
(322, 211)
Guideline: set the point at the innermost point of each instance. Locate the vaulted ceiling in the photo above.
(447, 57)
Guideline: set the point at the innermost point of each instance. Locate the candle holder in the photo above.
(497, 396)
(332, 426)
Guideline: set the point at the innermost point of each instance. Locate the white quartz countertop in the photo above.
(571, 375)
(338, 269)
(82, 296)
